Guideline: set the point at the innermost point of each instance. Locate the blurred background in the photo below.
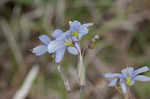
(124, 30)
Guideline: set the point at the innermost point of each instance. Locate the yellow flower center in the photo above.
(128, 81)
(75, 34)
(69, 42)
(69, 22)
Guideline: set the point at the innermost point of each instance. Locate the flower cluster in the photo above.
(68, 40)
(127, 77)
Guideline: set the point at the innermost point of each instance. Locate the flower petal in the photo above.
(39, 50)
(74, 39)
(72, 50)
(113, 82)
(87, 24)
(127, 71)
(141, 70)
(112, 75)
(57, 33)
(124, 88)
(132, 82)
(45, 39)
(60, 54)
(142, 78)
(74, 26)
(77, 45)
(64, 36)
(55, 45)
(82, 31)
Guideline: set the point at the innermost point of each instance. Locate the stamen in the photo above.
(75, 34)
(69, 42)
(69, 22)
(128, 81)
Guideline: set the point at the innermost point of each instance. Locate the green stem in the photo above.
(81, 92)
(81, 68)
(81, 72)
(64, 78)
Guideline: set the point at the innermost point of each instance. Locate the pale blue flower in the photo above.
(127, 77)
(63, 41)
(41, 49)
(78, 30)
(57, 33)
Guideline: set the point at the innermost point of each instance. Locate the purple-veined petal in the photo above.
(87, 24)
(72, 50)
(127, 71)
(112, 75)
(57, 33)
(113, 82)
(124, 88)
(142, 78)
(45, 39)
(55, 45)
(39, 50)
(141, 70)
(60, 54)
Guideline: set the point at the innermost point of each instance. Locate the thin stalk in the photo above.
(81, 71)
(125, 96)
(130, 95)
(81, 92)
(81, 68)
(64, 78)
